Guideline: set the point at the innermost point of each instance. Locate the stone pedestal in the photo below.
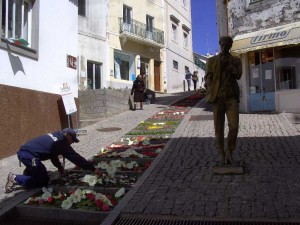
(228, 170)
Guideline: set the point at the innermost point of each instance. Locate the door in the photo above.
(145, 71)
(93, 75)
(261, 81)
(157, 76)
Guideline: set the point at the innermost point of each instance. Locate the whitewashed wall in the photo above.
(92, 43)
(56, 40)
(244, 18)
(175, 50)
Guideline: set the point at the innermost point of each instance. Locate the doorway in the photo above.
(156, 76)
(261, 80)
(93, 75)
(145, 71)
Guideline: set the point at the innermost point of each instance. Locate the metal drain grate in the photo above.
(201, 117)
(109, 129)
(139, 221)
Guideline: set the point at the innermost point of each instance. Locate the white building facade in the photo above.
(37, 59)
(179, 48)
(267, 39)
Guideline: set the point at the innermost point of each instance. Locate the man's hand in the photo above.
(61, 170)
(98, 172)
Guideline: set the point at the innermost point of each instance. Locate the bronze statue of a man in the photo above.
(222, 73)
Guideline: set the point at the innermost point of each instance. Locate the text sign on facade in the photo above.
(71, 62)
(68, 99)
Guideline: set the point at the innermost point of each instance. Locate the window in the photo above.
(81, 7)
(287, 67)
(15, 19)
(254, 1)
(175, 65)
(149, 23)
(127, 14)
(185, 40)
(93, 75)
(174, 32)
(124, 66)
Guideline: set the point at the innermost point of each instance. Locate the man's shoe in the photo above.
(10, 183)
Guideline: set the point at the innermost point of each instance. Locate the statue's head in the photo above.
(225, 43)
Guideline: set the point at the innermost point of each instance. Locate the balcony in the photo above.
(139, 32)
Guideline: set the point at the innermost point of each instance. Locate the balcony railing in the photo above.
(141, 30)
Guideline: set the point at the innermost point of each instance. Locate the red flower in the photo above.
(41, 201)
(50, 199)
(99, 203)
(135, 169)
(105, 208)
(108, 196)
(61, 197)
(113, 201)
(90, 196)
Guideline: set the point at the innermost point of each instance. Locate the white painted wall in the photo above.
(175, 50)
(92, 44)
(58, 29)
(244, 18)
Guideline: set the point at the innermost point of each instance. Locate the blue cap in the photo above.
(72, 133)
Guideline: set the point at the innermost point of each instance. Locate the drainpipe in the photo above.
(227, 18)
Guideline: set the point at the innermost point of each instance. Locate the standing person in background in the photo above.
(48, 146)
(188, 77)
(195, 79)
(138, 89)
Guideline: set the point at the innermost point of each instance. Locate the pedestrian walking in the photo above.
(222, 73)
(188, 77)
(42, 148)
(138, 89)
(195, 79)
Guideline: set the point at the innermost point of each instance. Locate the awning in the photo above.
(277, 36)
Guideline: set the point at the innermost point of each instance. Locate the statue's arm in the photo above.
(208, 74)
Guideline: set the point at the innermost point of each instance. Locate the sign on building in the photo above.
(71, 62)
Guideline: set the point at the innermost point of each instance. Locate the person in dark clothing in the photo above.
(138, 89)
(42, 148)
(195, 79)
(188, 77)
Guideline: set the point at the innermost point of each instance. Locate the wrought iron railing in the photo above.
(141, 30)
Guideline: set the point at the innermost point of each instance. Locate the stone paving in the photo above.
(182, 183)
(91, 142)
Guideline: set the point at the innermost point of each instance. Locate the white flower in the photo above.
(67, 204)
(44, 189)
(158, 150)
(90, 179)
(146, 142)
(103, 165)
(120, 192)
(103, 198)
(111, 171)
(78, 192)
(46, 195)
(161, 113)
(100, 181)
(75, 198)
(131, 165)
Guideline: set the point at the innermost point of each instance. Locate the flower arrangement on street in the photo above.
(80, 178)
(78, 199)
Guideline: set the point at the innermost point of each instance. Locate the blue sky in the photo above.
(204, 26)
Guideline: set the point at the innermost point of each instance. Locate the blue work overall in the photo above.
(35, 173)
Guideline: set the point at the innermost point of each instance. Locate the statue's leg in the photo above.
(232, 113)
(219, 118)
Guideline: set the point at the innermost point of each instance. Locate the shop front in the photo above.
(271, 63)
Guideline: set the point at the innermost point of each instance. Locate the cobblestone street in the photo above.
(182, 183)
